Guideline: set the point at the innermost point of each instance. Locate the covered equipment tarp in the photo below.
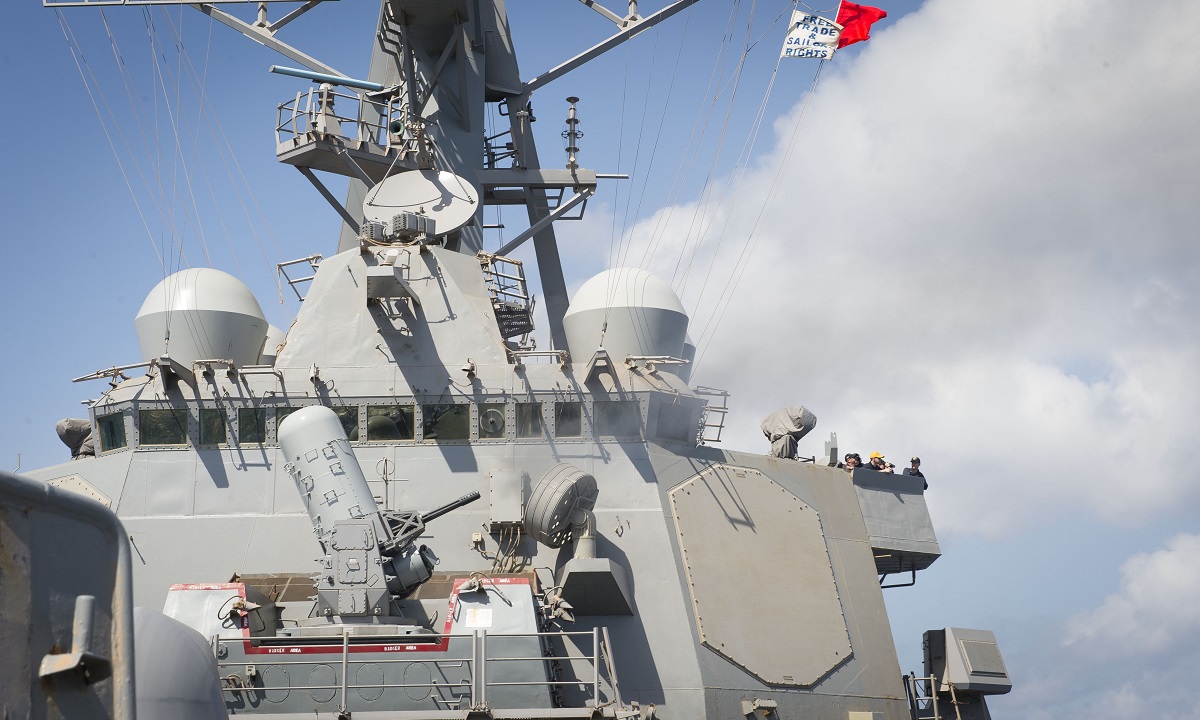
(785, 426)
(76, 434)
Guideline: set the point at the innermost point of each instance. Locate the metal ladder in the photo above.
(712, 422)
(313, 262)
(505, 280)
(923, 700)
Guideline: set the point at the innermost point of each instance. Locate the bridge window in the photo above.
(529, 420)
(390, 422)
(568, 419)
(281, 413)
(349, 418)
(212, 427)
(618, 418)
(347, 415)
(112, 431)
(677, 422)
(446, 422)
(163, 427)
(252, 425)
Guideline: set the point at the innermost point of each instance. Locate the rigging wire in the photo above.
(705, 191)
(80, 63)
(813, 10)
(176, 120)
(174, 265)
(612, 234)
(225, 151)
(727, 197)
(748, 248)
(637, 152)
(198, 157)
(658, 134)
(708, 191)
(740, 174)
(693, 143)
(132, 94)
(172, 155)
(624, 241)
(180, 53)
(147, 122)
(733, 183)
(158, 155)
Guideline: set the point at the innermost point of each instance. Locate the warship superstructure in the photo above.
(400, 507)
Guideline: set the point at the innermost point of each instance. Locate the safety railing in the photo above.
(505, 278)
(498, 147)
(313, 262)
(505, 281)
(320, 112)
(588, 677)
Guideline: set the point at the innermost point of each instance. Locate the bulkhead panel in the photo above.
(736, 523)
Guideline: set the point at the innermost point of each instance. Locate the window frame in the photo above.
(543, 431)
(120, 416)
(557, 431)
(142, 414)
(401, 407)
(200, 436)
(456, 440)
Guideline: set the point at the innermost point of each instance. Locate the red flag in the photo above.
(857, 21)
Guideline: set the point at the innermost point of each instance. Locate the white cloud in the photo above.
(1131, 656)
(981, 252)
(1154, 612)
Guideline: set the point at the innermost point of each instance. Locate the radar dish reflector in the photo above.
(561, 499)
(447, 198)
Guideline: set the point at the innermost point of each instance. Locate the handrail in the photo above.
(371, 120)
(476, 661)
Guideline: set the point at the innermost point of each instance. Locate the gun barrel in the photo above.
(450, 506)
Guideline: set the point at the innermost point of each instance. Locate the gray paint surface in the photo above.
(56, 546)
(734, 522)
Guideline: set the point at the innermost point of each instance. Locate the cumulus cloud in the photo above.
(1154, 612)
(1133, 655)
(979, 250)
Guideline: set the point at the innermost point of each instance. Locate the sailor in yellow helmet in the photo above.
(878, 463)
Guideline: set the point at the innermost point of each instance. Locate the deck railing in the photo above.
(590, 676)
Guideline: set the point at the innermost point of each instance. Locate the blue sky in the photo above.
(978, 249)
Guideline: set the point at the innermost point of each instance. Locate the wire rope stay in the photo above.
(748, 248)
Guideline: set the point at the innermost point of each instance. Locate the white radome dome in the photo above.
(642, 313)
(210, 315)
(275, 339)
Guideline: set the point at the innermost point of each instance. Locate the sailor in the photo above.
(853, 460)
(878, 463)
(915, 470)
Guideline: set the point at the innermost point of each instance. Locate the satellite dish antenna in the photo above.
(448, 199)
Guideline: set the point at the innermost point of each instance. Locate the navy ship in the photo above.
(400, 506)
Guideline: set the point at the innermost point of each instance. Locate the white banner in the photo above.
(811, 36)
